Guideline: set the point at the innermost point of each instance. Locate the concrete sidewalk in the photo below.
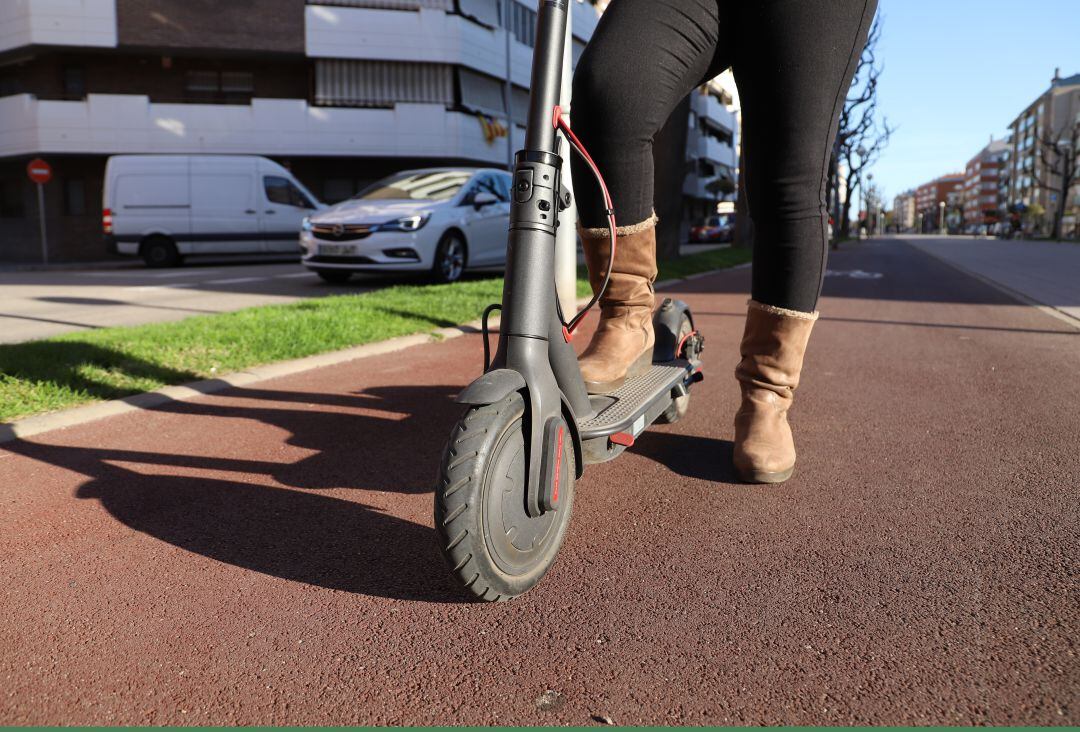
(266, 554)
(1046, 272)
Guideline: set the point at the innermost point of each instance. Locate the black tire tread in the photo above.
(460, 488)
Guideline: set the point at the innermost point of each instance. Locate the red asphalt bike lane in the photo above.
(266, 554)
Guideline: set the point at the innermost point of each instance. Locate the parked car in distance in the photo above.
(712, 229)
(165, 207)
(440, 221)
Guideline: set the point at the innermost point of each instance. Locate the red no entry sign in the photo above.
(39, 171)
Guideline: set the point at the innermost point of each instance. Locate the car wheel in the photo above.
(451, 256)
(334, 276)
(159, 252)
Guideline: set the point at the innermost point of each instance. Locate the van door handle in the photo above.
(270, 211)
(250, 211)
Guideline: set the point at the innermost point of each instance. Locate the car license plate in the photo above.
(337, 250)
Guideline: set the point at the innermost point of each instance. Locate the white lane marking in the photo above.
(294, 275)
(855, 274)
(235, 280)
(152, 288)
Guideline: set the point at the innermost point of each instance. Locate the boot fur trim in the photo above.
(773, 310)
(601, 232)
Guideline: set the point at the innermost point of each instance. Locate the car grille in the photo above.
(341, 232)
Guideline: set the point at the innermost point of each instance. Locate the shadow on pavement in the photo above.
(703, 458)
(291, 532)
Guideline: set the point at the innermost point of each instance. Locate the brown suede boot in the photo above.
(773, 346)
(623, 343)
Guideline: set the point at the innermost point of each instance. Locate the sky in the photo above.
(958, 71)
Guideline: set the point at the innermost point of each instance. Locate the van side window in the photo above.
(281, 190)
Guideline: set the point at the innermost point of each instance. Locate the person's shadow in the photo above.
(294, 533)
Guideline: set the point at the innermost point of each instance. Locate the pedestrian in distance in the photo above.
(793, 61)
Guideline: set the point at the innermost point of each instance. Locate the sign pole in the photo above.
(41, 221)
(40, 172)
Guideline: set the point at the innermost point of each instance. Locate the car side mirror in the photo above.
(484, 199)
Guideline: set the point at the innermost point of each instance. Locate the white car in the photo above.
(440, 221)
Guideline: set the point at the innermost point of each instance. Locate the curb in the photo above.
(35, 425)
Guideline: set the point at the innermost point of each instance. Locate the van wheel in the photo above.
(451, 257)
(160, 251)
(334, 276)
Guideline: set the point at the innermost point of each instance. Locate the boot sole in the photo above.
(761, 476)
(642, 364)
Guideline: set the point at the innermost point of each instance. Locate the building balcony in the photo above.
(57, 23)
(709, 107)
(429, 35)
(694, 186)
(711, 149)
(108, 124)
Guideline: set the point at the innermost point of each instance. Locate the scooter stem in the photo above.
(530, 341)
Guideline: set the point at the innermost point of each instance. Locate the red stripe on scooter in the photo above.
(558, 468)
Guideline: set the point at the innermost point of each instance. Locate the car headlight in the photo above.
(407, 223)
(305, 225)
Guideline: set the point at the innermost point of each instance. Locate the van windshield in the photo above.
(435, 185)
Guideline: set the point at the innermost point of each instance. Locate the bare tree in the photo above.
(860, 137)
(1058, 155)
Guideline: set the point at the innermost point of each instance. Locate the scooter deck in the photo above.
(633, 407)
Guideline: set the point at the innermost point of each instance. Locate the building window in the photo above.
(11, 199)
(521, 22)
(220, 87)
(74, 82)
(357, 83)
(75, 197)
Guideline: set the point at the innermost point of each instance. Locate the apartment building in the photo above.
(904, 211)
(1054, 114)
(711, 149)
(981, 200)
(342, 92)
(929, 198)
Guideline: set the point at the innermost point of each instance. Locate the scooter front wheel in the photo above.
(494, 548)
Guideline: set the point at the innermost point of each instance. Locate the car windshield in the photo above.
(432, 185)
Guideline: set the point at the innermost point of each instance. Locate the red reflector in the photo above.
(106, 220)
(558, 468)
(623, 438)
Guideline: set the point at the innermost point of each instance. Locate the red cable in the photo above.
(682, 342)
(609, 205)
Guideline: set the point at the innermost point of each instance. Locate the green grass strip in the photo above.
(111, 363)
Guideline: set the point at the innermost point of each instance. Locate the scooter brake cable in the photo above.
(579, 148)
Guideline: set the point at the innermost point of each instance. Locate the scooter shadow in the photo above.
(692, 456)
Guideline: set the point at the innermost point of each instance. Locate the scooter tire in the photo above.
(494, 549)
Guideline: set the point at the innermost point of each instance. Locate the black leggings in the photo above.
(793, 61)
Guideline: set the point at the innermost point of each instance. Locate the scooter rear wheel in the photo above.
(679, 405)
(494, 549)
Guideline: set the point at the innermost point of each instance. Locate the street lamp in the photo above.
(941, 219)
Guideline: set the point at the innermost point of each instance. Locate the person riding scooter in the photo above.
(793, 62)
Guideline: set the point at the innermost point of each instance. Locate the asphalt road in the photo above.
(45, 303)
(1046, 272)
(266, 555)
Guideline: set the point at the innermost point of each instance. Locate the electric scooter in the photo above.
(506, 483)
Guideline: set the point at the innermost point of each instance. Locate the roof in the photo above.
(1067, 81)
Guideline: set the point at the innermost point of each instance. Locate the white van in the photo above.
(165, 207)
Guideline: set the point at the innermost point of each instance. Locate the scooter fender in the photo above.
(496, 385)
(492, 387)
(666, 323)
